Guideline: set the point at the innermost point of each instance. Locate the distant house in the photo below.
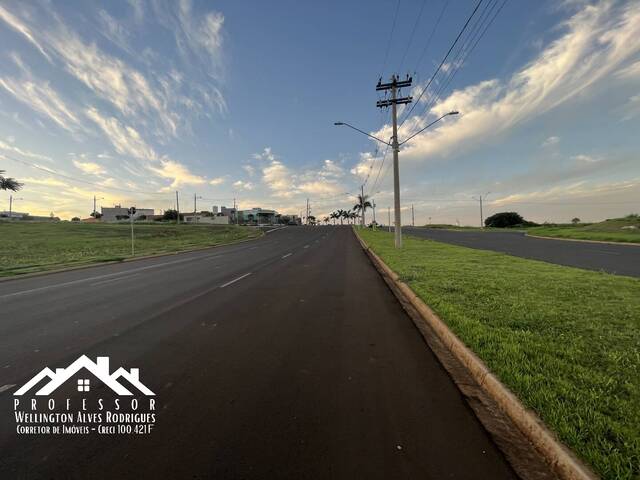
(118, 213)
(5, 215)
(257, 215)
(207, 219)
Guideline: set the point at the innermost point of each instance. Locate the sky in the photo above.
(134, 100)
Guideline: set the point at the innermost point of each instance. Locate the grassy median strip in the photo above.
(34, 247)
(565, 340)
(626, 229)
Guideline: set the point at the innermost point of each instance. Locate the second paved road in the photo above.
(286, 357)
(620, 259)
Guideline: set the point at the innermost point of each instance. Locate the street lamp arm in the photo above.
(361, 131)
(423, 129)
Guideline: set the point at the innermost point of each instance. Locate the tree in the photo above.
(311, 220)
(505, 220)
(96, 215)
(575, 220)
(362, 205)
(170, 214)
(75, 219)
(325, 220)
(7, 183)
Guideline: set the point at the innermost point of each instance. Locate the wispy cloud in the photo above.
(20, 27)
(40, 97)
(596, 42)
(91, 168)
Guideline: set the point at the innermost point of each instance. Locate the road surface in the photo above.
(612, 258)
(285, 357)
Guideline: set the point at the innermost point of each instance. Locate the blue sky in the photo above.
(133, 100)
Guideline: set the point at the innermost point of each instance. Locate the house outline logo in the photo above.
(99, 368)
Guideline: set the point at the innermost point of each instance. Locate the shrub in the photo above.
(506, 219)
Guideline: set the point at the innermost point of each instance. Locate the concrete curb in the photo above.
(634, 244)
(124, 260)
(563, 461)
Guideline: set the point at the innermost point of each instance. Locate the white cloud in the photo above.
(20, 27)
(250, 169)
(597, 40)
(217, 181)
(125, 139)
(177, 172)
(240, 185)
(91, 168)
(20, 151)
(550, 141)
(40, 97)
(584, 158)
(277, 176)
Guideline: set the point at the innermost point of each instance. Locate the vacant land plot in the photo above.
(565, 340)
(625, 229)
(32, 247)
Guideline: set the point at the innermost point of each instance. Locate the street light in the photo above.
(395, 145)
(11, 200)
(361, 131)
(432, 123)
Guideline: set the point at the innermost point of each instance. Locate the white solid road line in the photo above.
(285, 256)
(274, 229)
(235, 280)
(98, 277)
(7, 387)
(306, 246)
(114, 280)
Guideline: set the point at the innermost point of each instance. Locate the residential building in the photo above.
(118, 213)
(207, 219)
(257, 215)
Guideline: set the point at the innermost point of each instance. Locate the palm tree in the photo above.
(325, 220)
(7, 183)
(362, 205)
(342, 215)
(353, 216)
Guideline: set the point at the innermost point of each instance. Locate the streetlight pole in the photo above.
(373, 206)
(177, 209)
(394, 85)
(11, 199)
(479, 198)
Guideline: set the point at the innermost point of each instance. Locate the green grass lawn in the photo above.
(614, 230)
(565, 340)
(33, 247)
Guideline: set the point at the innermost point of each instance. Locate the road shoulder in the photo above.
(531, 448)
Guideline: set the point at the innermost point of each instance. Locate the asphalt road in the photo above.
(285, 357)
(612, 258)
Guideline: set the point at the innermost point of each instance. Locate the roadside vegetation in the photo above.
(33, 247)
(626, 229)
(565, 340)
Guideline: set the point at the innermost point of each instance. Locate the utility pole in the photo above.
(362, 205)
(177, 209)
(235, 212)
(394, 85)
(307, 212)
(10, 206)
(389, 222)
(479, 198)
(413, 218)
(373, 206)
(195, 207)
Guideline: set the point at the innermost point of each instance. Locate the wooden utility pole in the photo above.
(394, 101)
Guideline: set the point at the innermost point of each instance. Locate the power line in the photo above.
(433, 31)
(413, 31)
(393, 27)
(474, 36)
(78, 180)
(442, 62)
